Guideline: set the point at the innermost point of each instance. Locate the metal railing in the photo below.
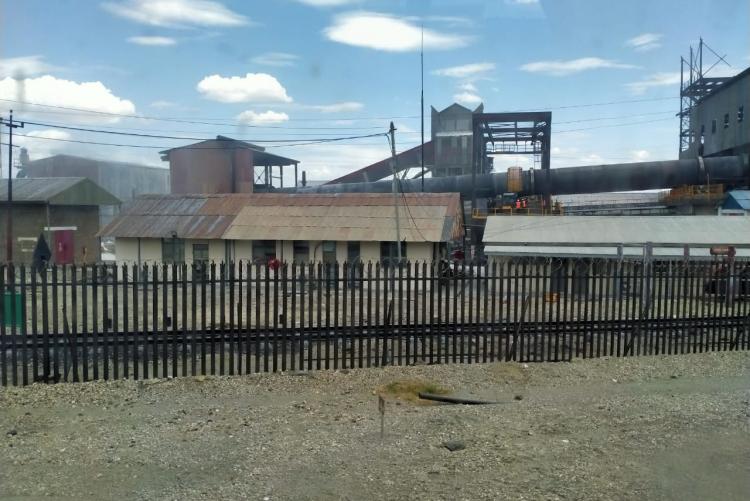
(81, 323)
(506, 211)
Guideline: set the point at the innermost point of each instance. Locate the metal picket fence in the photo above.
(108, 321)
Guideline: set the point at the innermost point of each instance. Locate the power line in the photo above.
(159, 136)
(215, 121)
(146, 146)
(613, 125)
(183, 120)
(335, 131)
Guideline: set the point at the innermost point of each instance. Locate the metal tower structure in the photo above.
(694, 86)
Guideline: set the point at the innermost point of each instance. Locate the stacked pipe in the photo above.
(733, 170)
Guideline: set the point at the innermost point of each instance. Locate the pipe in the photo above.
(571, 180)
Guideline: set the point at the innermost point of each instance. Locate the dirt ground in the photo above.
(670, 427)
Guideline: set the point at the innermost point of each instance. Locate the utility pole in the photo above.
(392, 135)
(11, 124)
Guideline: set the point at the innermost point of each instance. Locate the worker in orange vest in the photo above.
(523, 203)
(518, 204)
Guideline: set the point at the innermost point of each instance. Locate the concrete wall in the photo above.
(419, 251)
(369, 251)
(127, 250)
(29, 221)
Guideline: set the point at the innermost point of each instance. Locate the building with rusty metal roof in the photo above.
(63, 209)
(123, 180)
(299, 227)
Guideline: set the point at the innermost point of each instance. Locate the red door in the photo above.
(64, 248)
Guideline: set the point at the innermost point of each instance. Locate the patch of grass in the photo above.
(409, 389)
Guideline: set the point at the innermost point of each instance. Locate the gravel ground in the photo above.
(672, 427)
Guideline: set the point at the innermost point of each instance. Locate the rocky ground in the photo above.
(671, 427)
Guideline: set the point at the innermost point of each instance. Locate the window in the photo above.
(328, 250)
(703, 130)
(352, 252)
(263, 250)
(200, 253)
(726, 120)
(713, 126)
(200, 261)
(301, 251)
(389, 252)
(172, 250)
(740, 113)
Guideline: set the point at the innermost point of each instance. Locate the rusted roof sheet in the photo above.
(59, 191)
(186, 216)
(433, 217)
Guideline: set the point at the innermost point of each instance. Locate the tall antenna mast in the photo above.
(421, 102)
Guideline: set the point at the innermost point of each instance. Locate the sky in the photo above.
(285, 73)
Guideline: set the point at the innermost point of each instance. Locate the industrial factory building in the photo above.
(65, 210)
(288, 227)
(123, 180)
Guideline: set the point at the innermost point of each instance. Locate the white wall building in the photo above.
(289, 227)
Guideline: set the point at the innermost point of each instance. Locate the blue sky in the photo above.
(295, 69)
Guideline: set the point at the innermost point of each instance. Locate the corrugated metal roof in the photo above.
(737, 199)
(628, 252)
(59, 191)
(428, 217)
(434, 217)
(569, 235)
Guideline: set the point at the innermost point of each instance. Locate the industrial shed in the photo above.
(64, 209)
(123, 180)
(602, 236)
(290, 227)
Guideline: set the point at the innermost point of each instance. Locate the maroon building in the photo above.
(225, 165)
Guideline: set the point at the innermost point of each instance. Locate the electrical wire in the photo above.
(145, 146)
(158, 136)
(214, 121)
(183, 120)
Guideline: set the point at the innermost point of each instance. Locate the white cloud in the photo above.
(656, 80)
(326, 3)
(176, 13)
(522, 2)
(388, 33)
(275, 59)
(345, 106)
(25, 66)
(49, 90)
(640, 155)
(264, 118)
(154, 41)
(253, 87)
(324, 162)
(467, 98)
(163, 104)
(562, 68)
(468, 87)
(472, 70)
(645, 42)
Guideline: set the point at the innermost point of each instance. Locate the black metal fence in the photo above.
(80, 323)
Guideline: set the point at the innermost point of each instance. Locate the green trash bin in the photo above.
(12, 316)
